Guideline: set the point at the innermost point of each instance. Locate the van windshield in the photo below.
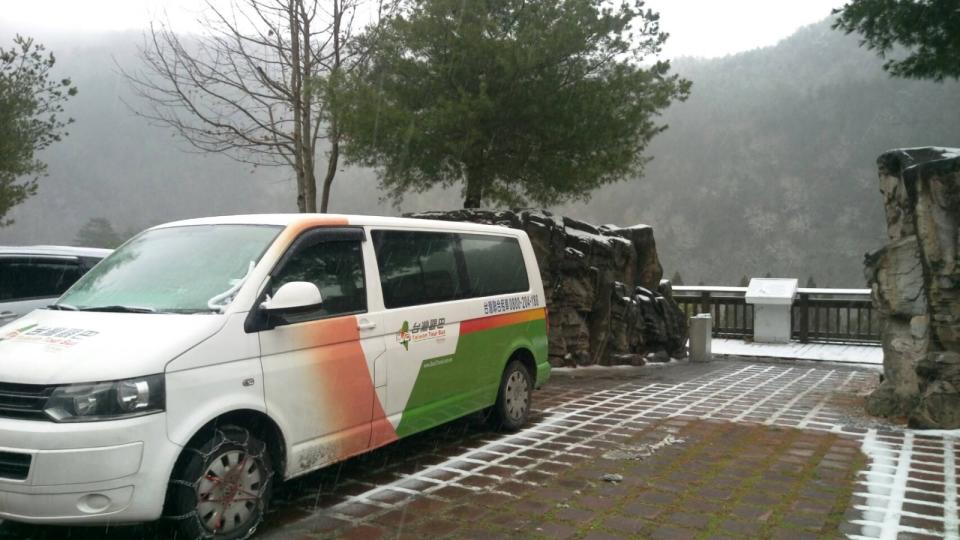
(175, 270)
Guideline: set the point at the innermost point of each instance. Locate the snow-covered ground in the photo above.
(857, 354)
(902, 479)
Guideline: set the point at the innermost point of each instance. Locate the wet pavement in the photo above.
(729, 449)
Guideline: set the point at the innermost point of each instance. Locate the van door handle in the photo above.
(366, 325)
(7, 315)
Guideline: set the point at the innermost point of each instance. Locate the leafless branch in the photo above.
(252, 85)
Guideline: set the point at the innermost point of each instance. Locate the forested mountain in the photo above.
(769, 167)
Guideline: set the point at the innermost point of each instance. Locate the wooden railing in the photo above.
(818, 315)
(732, 316)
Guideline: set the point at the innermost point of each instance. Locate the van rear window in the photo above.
(419, 267)
(494, 264)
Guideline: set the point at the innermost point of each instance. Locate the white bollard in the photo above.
(701, 337)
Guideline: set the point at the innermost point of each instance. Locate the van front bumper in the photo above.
(88, 472)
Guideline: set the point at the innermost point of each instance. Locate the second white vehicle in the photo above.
(33, 276)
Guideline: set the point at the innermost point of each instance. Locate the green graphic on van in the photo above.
(404, 335)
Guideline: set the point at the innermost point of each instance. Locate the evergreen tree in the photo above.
(520, 101)
(928, 29)
(811, 284)
(31, 107)
(744, 281)
(676, 279)
(98, 232)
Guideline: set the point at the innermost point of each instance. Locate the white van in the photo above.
(205, 358)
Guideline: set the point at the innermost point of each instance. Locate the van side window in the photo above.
(495, 264)
(336, 268)
(417, 267)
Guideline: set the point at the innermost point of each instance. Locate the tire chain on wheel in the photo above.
(204, 456)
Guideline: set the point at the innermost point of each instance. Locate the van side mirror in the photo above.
(293, 296)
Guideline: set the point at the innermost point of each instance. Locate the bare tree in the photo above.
(257, 84)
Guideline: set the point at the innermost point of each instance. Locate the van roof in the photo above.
(340, 219)
(57, 251)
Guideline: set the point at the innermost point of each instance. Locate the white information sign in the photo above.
(772, 299)
(778, 291)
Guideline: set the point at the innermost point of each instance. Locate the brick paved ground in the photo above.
(724, 450)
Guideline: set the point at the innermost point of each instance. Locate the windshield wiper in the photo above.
(120, 309)
(63, 307)
(220, 302)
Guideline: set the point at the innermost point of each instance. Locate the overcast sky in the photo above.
(710, 28)
(706, 28)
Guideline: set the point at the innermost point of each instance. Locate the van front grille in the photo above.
(14, 466)
(24, 401)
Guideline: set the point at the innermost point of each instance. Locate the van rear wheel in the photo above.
(221, 487)
(512, 408)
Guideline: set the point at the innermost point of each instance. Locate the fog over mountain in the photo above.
(768, 167)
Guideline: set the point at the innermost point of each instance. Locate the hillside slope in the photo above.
(770, 165)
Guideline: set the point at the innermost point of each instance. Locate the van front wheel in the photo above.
(221, 487)
(512, 408)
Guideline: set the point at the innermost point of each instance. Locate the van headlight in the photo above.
(106, 400)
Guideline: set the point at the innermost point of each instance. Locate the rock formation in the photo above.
(607, 302)
(915, 280)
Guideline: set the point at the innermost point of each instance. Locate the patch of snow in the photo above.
(886, 489)
(708, 288)
(879, 483)
(946, 151)
(857, 354)
(588, 236)
(945, 433)
(613, 478)
(836, 292)
(574, 369)
(597, 367)
(642, 451)
(657, 365)
(619, 240)
(951, 513)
